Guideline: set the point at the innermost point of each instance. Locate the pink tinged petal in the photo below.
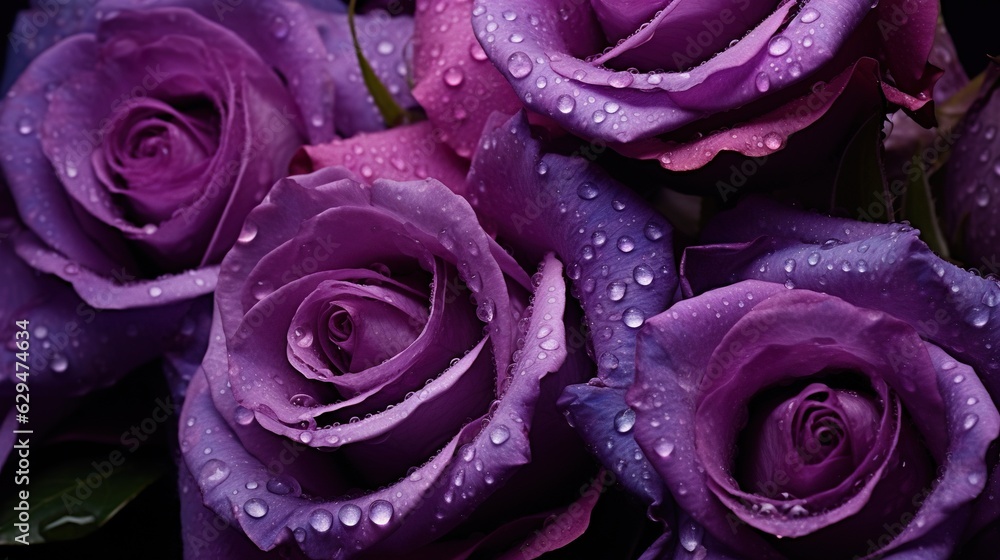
(405, 153)
(908, 29)
(679, 98)
(460, 94)
(851, 97)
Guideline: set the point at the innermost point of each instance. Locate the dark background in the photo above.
(148, 527)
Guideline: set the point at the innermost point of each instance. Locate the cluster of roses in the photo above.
(475, 334)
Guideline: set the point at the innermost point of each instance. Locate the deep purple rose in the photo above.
(682, 81)
(826, 389)
(135, 152)
(378, 381)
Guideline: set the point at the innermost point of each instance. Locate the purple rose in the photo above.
(680, 82)
(827, 389)
(377, 374)
(151, 156)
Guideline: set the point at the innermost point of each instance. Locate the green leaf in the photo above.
(77, 495)
(860, 181)
(919, 210)
(392, 113)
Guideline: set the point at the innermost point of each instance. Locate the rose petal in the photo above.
(877, 266)
(382, 37)
(460, 94)
(403, 153)
(619, 256)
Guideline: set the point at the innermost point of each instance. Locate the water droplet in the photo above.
(59, 363)
(476, 52)
(565, 104)
(663, 448)
(982, 197)
(71, 170)
(454, 76)
(599, 116)
(550, 344)
(587, 191)
(618, 205)
(349, 515)
(807, 42)
(611, 107)
(772, 141)
(979, 316)
(252, 485)
(599, 238)
(156, 291)
(214, 472)
(626, 244)
(633, 317)
(385, 48)
(283, 485)
(608, 361)
(624, 421)
(279, 27)
(690, 535)
(653, 231)
(779, 45)
(970, 421)
(519, 65)
(643, 275)
(809, 15)
(24, 126)
(616, 290)
(763, 82)
(255, 507)
(499, 434)
(485, 310)
(244, 416)
(249, 232)
(380, 512)
(795, 70)
(620, 79)
(789, 265)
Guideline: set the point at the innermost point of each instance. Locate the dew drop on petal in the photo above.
(663, 447)
(499, 434)
(565, 104)
(779, 45)
(633, 317)
(380, 512)
(255, 507)
(624, 421)
(349, 515)
(519, 65)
